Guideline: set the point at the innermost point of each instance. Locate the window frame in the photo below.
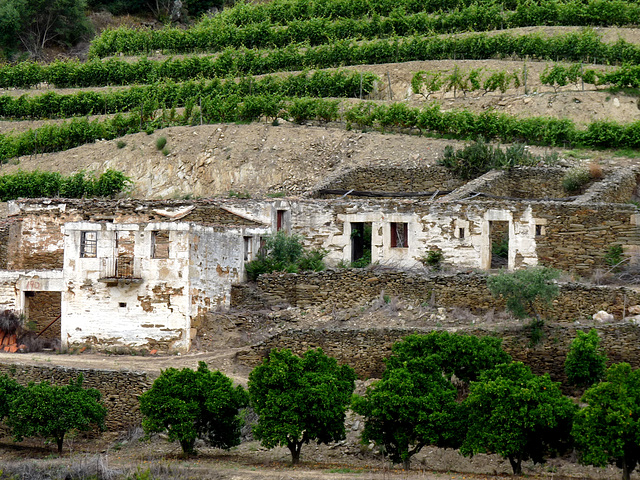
(399, 234)
(165, 236)
(88, 246)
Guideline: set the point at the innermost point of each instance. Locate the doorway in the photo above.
(499, 242)
(42, 311)
(360, 244)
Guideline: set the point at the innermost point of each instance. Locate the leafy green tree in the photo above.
(523, 288)
(300, 399)
(40, 22)
(9, 389)
(191, 404)
(607, 430)
(464, 356)
(586, 362)
(516, 414)
(410, 407)
(51, 411)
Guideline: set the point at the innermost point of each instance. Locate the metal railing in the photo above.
(120, 267)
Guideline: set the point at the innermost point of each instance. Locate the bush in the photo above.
(196, 404)
(10, 321)
(161, 142)
(586, 362)
(285, 253)
(523, 288)
(575, 179)
(9, 389)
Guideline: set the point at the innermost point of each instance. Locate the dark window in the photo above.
(399, 235)
(280, 224)
(248, 248)
(160, 244)
(89, 244)
(122, 304)
(461, 232)
(539, 230)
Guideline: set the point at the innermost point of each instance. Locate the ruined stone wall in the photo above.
(392, 179)
(527, 183)
(618, 186)
(120, 389)
(344, 288)
(365, 350)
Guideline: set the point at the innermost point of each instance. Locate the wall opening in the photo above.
(361, 243)
(41, 309)
(499, 241)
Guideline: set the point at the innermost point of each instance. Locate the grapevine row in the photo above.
(231, 108)
(574, 46)
(318, 31)
(169, 94)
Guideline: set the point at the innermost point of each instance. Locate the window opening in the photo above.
(539, 230)
(280, 217)
(89, 244)
(248, 248)
(399, 235)
(461, 232)
(160, 244)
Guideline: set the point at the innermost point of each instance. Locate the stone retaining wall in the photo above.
(344, 288)
(120, 389)
(365, 350)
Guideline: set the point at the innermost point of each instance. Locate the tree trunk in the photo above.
(516, 464)
(59, 441)
(187, 446)
(295, 447)
(406, 463)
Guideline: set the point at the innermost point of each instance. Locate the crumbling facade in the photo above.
(143, 273)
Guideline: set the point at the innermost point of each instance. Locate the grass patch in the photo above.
(627, 152)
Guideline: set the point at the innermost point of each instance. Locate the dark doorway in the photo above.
(360, 244)
(42, 308)
(499, 240)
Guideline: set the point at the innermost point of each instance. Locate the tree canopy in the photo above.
(192, 404)
(300, 399)
(608, 428)
(586, 361)
(516, 414)
(9, 389)
(411, 406)
(51, 411)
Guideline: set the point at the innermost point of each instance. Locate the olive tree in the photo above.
(516, 414)
(300, 399)
(51, 411)
(607, 430)
(586, 362)
(190, 404)
(522, 289)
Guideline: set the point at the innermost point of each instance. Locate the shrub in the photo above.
(190, 404)
(523, 288)
(575, 179)
(614, 255)
(161, 142)
(285, 253)
(586, 362)
(10, 321)
(433, 259)
(9, 389)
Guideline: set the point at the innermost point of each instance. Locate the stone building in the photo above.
(143, 273)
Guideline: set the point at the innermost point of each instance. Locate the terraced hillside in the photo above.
(274, 96)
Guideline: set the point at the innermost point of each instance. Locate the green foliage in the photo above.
(161, 142)
(479, 157)
(523, 288)
(52, 411)
(433, 259)
(575, 178)
(614, 255)
(516, 414)
(38, 184)
(299, 400)
(190, 404)
(37, 23)
(464, 356)
(411, 406)
(285, 253)
(9, 390)
(607, 430)
(586, 362)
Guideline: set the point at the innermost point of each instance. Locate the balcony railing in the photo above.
(119, 268)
